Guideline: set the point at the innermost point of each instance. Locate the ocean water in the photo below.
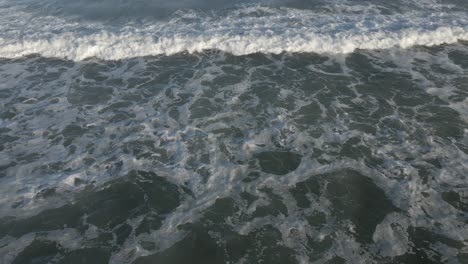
(203, 131)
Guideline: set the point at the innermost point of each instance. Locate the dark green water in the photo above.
(215, 158)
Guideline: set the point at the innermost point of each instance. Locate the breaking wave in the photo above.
(241, 31)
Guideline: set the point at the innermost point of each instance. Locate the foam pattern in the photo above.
(277, 158)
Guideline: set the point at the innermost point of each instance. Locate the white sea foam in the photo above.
(398, 176)
(240, 32)
(277, 123)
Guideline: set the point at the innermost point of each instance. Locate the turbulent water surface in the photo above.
(203, 131)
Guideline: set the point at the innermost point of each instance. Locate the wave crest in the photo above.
(254, 30)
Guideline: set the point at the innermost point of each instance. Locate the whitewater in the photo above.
(215, 132)
(239, 31)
